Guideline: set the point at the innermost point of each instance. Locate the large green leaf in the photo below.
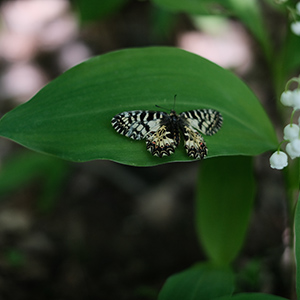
(201, 282)
(70, 117)
(224, 203)
(251, 296)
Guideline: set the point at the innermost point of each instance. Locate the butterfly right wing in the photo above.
(154, 126)
(195, 122)
(206, 121)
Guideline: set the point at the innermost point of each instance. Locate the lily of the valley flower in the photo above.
(295, 27)
(291, 132)
(298, 8)
(291, 98)
(296, 98)
(293, 148)
(278, 160)
(287, 98)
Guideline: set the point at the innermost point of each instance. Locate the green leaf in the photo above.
(26, 167)
(297, 247)
(202, 282)
(290, 60)
(251, 296)
(188, 6)
(93, 10)
(226, 192)
(71, 117)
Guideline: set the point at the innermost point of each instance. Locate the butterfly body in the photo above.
(162, 130)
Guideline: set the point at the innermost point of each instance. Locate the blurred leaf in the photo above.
(202, 282)
(249, 278)
(52, 184)
(71, 116)
(290, 61)
(162, 23)
(23, 168)
(93, 10)
(249, 12)
(297, 246)
(226, 192)
(15, 258)
(188, 6)
(251, 296)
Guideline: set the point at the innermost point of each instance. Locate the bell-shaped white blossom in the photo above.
(278, 160)
(287, 98)
(295, 27)
(291, 132)
(293, 148)
(296, 98)
(298, 8)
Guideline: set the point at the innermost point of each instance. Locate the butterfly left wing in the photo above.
(194, 122)
(154, 126)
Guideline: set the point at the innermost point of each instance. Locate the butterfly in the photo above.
(162, 130)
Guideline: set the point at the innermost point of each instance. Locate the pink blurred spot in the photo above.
(72, 54)
(58, 32)
(230, 49)
(31, 15)
(16, 47)
(31, 25)
(22, 81)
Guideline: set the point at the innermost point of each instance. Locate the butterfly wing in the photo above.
(154, 126)
(194, 122)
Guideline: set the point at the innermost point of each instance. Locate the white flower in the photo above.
(291, 132)
(293, 148)
(296, 98)
(278, 160)
(287, 98)
(298, 8)
(291, 98)
(295, 27)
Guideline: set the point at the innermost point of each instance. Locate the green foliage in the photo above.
(222, 213)
(70, 117)
(26, 167)
(252, 296)
(297, 247)
(200, 282)
(93, 10)
(188, 6)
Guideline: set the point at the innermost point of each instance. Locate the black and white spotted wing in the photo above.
(162, 131)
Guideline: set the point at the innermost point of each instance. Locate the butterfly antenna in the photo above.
(161, 107)
(168, 108)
